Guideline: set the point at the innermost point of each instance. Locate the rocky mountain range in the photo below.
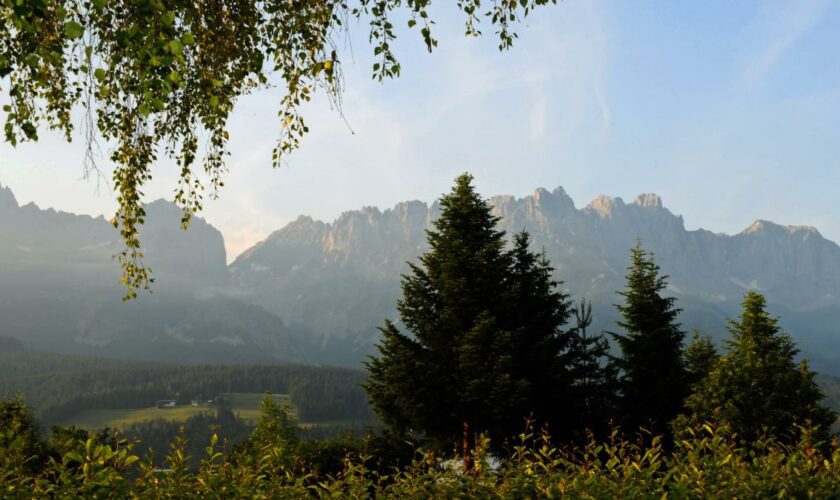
(316, 292)
(341, 279)
(59, 291)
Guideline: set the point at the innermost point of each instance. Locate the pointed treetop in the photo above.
(754, 321)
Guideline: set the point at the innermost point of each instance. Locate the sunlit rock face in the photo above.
(341, 279)
(316, 292)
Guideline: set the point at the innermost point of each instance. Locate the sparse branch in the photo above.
(159, 78)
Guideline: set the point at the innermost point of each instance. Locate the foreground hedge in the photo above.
(703, 464)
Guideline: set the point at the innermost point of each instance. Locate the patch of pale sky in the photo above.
(784, 24)
(550, 112)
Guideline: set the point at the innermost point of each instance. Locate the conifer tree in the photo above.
(534, 311)
(653, 382)
(595, 381)
(274, 440)
(483, 344)
(700, 358)
(757, 387)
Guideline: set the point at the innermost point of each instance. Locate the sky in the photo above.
(730, 111)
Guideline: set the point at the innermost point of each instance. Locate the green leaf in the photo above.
(100, 74)
(168, 18)
(73, 30)
(99, 4)
(176, 47)
(188, 38)
(30, 130)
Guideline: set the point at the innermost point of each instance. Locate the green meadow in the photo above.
(245, 405)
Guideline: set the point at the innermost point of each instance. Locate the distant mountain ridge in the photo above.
(60, 292)
(316, 291)
(342, 279)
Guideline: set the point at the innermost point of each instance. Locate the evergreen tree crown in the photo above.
(484, 346)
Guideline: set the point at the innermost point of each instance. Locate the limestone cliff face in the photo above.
(315, 291)
(79, 244)
(59, 290)
(342, 279)
(195, 257)
(793, 265)
(334, 278)
(7, 200)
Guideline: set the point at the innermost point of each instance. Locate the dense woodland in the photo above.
(61, 386)
(274, 462)
(488, 338)
(489, 385)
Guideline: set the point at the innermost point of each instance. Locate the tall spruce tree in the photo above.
(757, 387)
(700, 357)
(595, 381)
(653, 382)
(483, 346)
(535, 310)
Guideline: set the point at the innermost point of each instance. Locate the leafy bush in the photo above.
(704, 463)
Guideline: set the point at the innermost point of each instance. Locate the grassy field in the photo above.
(247, 406)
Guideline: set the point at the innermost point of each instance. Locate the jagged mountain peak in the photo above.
(560, 192)
(556, 200)
(339, 280)
(762, 226)
(7, 198)
(605, 206)
(302, 231)
(64, 264)
(409, 206)
(303, 221)
(648, 200)
(367, 249)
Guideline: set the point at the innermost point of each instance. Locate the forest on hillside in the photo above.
(59, 386)
(489, 385)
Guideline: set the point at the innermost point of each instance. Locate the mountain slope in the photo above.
(59, 291)
(316, 292)
(342, 279)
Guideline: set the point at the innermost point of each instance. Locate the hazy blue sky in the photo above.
(729, 110)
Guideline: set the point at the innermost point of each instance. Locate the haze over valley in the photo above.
(316, 292)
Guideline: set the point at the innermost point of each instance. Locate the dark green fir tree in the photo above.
(481, 343)
(535, 310)
(653, 381)
(757, 388)
(700, 357)
(595, 380)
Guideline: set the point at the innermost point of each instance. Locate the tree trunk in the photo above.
(466, 450)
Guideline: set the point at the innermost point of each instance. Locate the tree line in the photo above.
(491, 386)
(274, 461)
(62, 386)
(487, 339)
